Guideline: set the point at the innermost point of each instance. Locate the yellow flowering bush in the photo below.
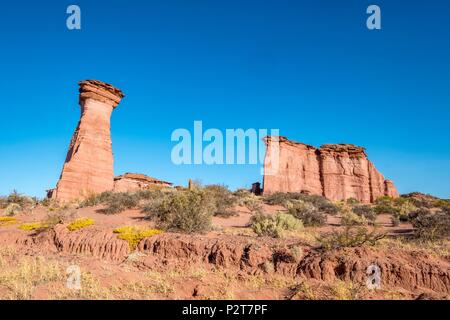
(80, 223)
(133, 235)
(7, 221)
(34, 226)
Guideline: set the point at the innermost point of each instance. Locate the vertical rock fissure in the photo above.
(370, 182)
(319, 160)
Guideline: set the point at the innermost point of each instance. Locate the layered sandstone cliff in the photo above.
(89, 163)
(336, 171)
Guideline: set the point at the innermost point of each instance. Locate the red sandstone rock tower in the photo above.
(89, 163)
(335, 171)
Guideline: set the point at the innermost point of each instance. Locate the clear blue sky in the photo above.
(310, 68)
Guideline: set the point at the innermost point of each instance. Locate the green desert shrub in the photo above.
(350, 237)
(281, 198)
(307, 213)
(286, 199)
(420, 200)
(255, 206)
(446, 209)
(287, 222)
(118, 202)
(386, 209)
(274, 225)
(149, 206)
(242, 194)
(96, 199)
(124, 200)
(19, 199)
(365, 211)
(188, 211)
(151, 194)
(53, 205)
(12, 209)
(249, 200)
(384, 200)
(16, 198)
(385, 205)
(223, 200)
(321, 203)
(352, 201)
(399, 207)
(47, 202)
(359, 214)
(424, 203)
(419, 213)
(431, 226)
(440, 203)
(405, 209)
(350, 218)
(404, 215)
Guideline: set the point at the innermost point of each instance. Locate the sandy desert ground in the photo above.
(228, 260)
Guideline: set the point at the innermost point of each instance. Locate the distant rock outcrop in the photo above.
(137, 181)
(336, 171)
(89, 163)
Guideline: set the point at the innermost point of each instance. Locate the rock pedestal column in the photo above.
(89, 163)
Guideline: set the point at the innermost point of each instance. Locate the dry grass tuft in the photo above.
(21, 278)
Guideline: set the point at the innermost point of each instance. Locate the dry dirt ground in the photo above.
(230, 262)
